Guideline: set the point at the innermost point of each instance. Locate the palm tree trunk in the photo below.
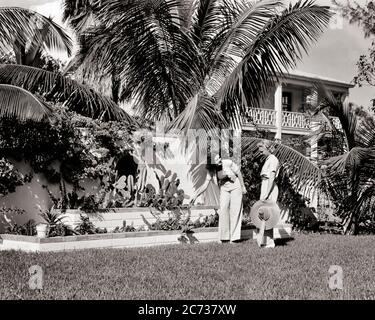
(116, 83)
(351, 226)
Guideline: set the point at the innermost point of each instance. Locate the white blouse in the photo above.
(230, 168)
(270, 165)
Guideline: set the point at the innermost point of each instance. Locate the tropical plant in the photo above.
(81, 15)
(26, 32)
(349, 177)
(198, 63)
(363, 15)
(10, 177)
(168, 197)
(87, 227)
(26, 229)
(29, 34)
(54, 220)
(201, 61)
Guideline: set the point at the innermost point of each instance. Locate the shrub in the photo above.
(10, 178)
(84, 148)
(87, 227)
(27, 229)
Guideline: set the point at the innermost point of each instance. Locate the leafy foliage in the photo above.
(199, 63)
(349, 177)
(29, 29)
(57, 88)
(288, 198)
(56, 227)
(10, 178)
(87, 227)
(168, 197)
(27, 229)
(364, 16)
(72, 140)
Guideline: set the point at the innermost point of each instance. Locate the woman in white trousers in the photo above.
(229, 178)
(269, 189)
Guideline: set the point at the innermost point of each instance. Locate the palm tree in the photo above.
(27, 32)
(188, 61)
(21, 104)
(29, 38)
(81, 15)
(349, 178)
(199, 63)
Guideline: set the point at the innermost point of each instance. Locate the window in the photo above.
(287, 101)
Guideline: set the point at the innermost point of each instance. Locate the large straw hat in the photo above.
(265, 212)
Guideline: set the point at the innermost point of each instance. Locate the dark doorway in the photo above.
(126, 166)
(287, 101)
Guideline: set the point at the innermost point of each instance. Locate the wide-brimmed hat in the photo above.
(267, 211)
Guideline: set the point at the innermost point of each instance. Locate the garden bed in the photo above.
(124, 240)
(112, 218)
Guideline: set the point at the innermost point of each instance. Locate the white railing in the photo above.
(290, 120)
(295, 120)
(264, 117)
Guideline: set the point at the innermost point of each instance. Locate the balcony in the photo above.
(294, 121)
(267, 118)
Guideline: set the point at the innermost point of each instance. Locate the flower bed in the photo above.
(113, 218)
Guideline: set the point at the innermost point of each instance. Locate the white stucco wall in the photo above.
(32, 197)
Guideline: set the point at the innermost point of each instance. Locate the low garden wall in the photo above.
(112, 218)
(124, 240)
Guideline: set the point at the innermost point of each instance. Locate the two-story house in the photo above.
(285, 112)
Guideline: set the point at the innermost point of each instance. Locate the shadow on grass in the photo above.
(283, 242)
(188, 238)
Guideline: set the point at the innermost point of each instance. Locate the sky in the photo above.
(334, 55)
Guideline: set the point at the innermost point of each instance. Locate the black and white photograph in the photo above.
(202, 152)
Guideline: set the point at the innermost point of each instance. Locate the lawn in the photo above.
(297, 269)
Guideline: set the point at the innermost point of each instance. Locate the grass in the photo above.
(297, 269)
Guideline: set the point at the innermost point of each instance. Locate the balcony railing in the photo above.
(264, 117)
(267, 117)
(290, 120)
(295, 120)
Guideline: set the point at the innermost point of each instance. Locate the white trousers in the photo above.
(268, 234)
(230, 215)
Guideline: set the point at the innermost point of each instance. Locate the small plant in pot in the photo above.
(42, 230)
(53, 225)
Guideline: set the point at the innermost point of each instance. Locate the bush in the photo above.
(10, 178)
(27, 229)
(87, 227)
(85, 148)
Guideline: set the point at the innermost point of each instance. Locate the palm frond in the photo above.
(206, 23)
(157, 58)
(276, 48)
(247, 21)
(80, 14)
(18, 103)
(186, 9)
(55, 87)
(199, 113)
(354, 160)
(19, 24)
(303, 173)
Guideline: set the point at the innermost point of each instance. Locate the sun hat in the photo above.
(265, 213)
